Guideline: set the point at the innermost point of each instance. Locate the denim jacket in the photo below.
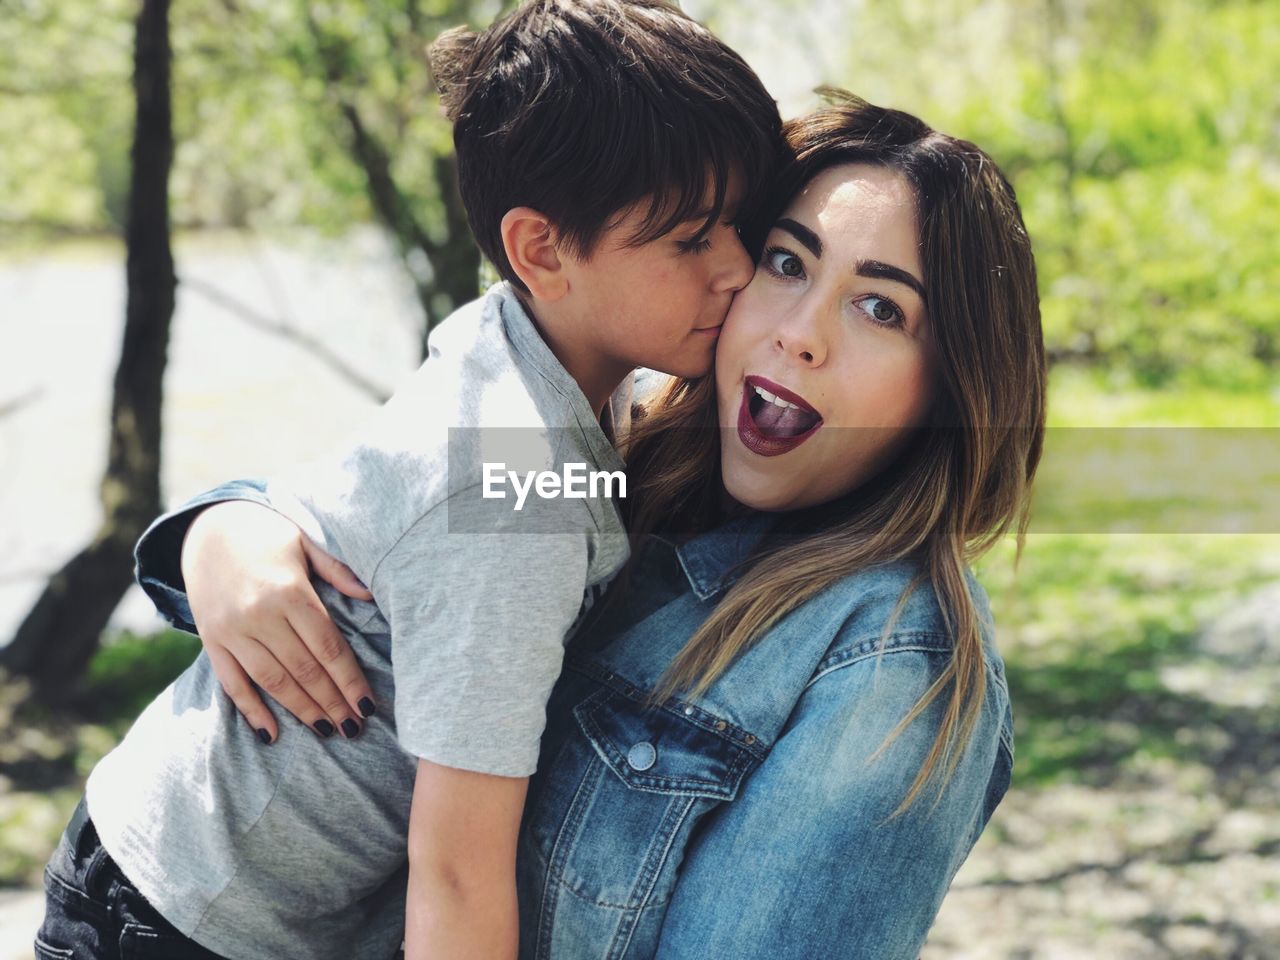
(746, 822)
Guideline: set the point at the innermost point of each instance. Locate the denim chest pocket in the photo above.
(660, 752)
(621, 799)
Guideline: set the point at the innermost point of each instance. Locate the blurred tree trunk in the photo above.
(57, 639)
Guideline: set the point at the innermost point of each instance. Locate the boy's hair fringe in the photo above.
(450, 57)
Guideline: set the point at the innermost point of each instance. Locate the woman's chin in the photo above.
(759, 493)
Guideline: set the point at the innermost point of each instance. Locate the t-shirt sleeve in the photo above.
(158, 553)
(478, 623)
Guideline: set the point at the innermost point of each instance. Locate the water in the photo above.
(239, 402)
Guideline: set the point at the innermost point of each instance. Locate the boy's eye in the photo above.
(783, 262)
(695, 246)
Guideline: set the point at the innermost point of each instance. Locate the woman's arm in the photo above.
(229, 567)
(800, 865)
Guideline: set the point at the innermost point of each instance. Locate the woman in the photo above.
(782, 735)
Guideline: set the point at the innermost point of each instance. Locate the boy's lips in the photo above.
(773, 420)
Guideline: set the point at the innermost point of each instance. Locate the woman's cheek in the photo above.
(729, 344)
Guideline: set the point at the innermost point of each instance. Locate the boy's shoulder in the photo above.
(490, 390)
(486, 366)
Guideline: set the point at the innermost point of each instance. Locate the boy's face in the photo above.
(661, 304)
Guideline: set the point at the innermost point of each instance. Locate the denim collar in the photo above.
(711, 560)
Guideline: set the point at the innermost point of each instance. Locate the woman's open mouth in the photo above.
(772, 420)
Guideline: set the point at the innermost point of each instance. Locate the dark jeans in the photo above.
(93, 911)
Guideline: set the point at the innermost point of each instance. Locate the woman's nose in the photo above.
(801, 336)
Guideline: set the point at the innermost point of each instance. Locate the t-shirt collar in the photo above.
(525, 338)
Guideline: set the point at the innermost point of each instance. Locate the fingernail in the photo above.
(264, 735)
(367, 709)
(349, 728)
(324, 728)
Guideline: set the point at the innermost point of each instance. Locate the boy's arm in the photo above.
(477, 628)
(462, 852)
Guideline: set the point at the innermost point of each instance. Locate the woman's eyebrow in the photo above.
(887, 271)
(802, 233)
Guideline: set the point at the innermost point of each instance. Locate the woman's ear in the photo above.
(528, 239)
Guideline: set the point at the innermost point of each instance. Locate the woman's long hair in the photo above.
(964, 479)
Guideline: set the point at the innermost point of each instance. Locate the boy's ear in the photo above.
(528, 238)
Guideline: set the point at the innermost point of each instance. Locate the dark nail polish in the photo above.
(324, 728)
(264, 735)
(349, 728)
(367, 709)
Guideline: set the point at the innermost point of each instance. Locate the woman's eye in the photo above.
(882, 311)
(695, 246)
(784, 263)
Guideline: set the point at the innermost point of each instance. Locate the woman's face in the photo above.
(824, 363)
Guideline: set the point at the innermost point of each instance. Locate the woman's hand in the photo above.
(247, 570)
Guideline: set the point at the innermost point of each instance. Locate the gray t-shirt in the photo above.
(298, 849)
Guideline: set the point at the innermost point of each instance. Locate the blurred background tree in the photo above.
(57, 639)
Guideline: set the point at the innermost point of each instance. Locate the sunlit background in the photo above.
(313, 247)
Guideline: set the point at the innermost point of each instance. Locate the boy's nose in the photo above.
(736, 268)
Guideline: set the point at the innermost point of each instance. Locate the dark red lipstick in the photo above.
(768, 430)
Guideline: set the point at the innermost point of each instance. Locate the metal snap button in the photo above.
(642, 756)
(688, 711)
(721, 725)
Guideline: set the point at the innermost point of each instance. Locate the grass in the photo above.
(1087, 628)
(44, 762)
(1090, 623)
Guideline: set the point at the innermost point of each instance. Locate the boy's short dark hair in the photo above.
(582, 108)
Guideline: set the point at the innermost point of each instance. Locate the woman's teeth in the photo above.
(777, 418)
(773, 399)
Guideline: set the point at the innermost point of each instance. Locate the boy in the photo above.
(604, 149)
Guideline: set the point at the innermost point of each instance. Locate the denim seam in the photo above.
(857, 655)
(700, 718)
(718, 789)
(555, 861)
(1006, 738)
(69, 896)
(668, 827)
(48, 949)
(656, 865)
(144, 932)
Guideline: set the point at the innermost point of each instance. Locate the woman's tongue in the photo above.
(775, 421)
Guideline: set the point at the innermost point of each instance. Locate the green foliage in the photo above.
(45, 756)
(1143, 141)
(125, 675)
(261, 140)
